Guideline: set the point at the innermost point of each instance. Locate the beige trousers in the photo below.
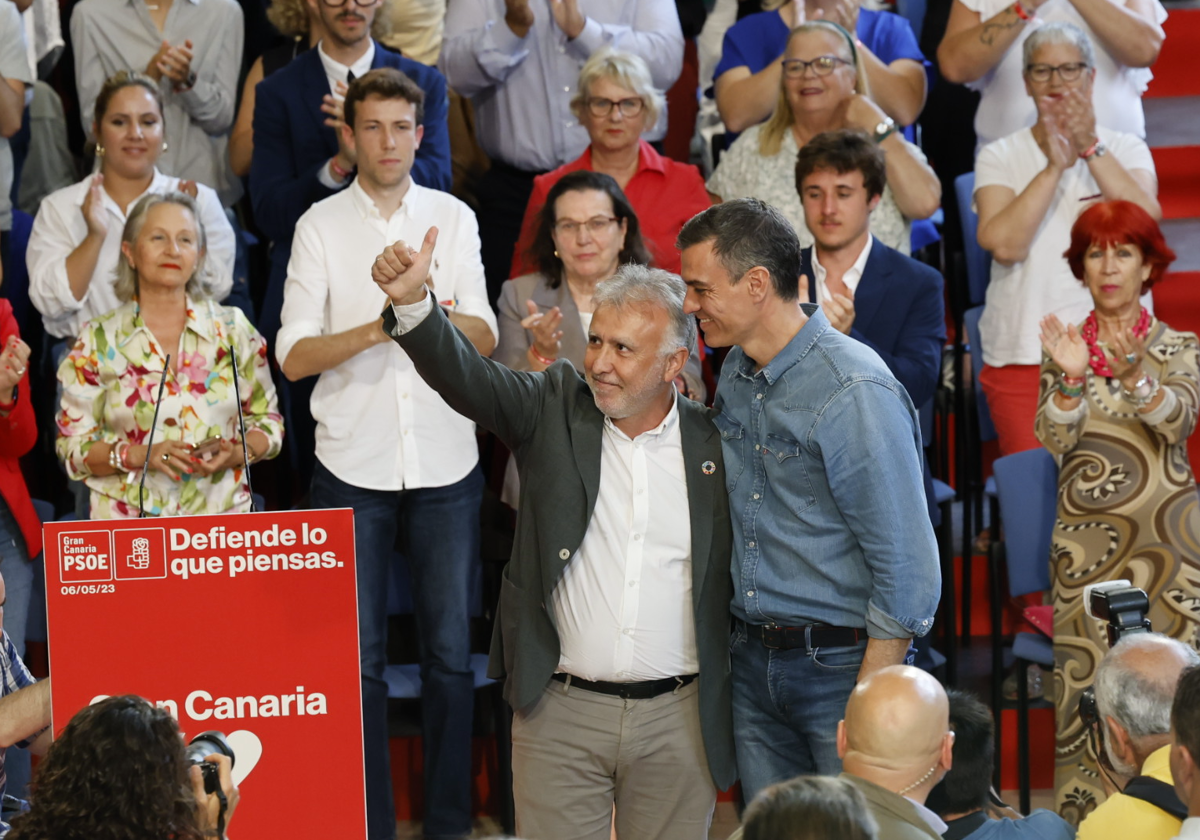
(577, 754)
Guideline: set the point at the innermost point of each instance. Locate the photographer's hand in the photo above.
(208, 805)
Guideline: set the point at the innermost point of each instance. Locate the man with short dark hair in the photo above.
(963, 796)
(386, 444)
(1185, 750)
(300, 156)
(835, 568)
(888, 301)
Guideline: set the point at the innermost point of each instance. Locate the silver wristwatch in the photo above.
(1143, 392)
(884, 129)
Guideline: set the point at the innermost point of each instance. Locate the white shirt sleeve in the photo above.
(50, 242)
(220, 242)
(304, 293)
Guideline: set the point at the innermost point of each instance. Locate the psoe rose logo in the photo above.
(141, 553)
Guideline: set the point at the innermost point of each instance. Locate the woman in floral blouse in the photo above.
(111, 381)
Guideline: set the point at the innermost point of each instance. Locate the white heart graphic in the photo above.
(247, 750)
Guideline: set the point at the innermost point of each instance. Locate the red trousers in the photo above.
(1012, 397)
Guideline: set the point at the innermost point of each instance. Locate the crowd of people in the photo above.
(360, 233)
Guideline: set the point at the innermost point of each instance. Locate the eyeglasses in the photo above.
(603, 107)
(1066, 72)
(362, 4)
(595, 225)
(822, 65)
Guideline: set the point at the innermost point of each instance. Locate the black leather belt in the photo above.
(628, 691)
(774, 637)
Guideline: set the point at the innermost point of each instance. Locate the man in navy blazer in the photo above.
(888, 301)
(298, 158)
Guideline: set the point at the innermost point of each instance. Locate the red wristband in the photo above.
(342, 174)
(1090, 150)
(540, 357)
(1022, 12)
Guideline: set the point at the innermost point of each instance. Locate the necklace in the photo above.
(1091, 334)
(918, 782)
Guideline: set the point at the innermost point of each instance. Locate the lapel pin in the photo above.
(708, 467)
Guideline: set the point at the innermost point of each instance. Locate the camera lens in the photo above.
(204, 745)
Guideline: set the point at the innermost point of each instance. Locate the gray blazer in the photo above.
(515, 340)
(550, 422)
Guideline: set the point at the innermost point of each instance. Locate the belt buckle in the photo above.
(772, 637)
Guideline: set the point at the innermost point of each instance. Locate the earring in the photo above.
(556, 253)
(99, 150)
(165, 146)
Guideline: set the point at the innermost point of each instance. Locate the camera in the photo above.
(206, 744)
(1123, 606)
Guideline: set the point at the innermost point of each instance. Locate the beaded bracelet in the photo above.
(1070, 387)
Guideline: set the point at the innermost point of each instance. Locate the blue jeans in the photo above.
(786, 708)
(438, 529)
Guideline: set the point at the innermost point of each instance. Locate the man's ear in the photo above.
(420, 134)
(759, 283)
(348, 137)
(1122, 744)
(841, 739)
(947, 752)
(873, 202)
(1183, 771)
(675, 364)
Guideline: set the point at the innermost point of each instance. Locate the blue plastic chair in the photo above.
(979, 261)
(943, 495)
(1027, 491)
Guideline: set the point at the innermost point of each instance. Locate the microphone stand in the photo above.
(237, 395)
(150, 439)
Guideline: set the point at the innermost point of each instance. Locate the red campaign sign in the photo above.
(243, 623)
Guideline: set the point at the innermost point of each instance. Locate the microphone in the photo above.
(150, 439)
(237, 395)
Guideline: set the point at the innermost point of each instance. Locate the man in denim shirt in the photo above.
(834, 562)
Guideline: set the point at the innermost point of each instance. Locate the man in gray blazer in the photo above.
(613, 629)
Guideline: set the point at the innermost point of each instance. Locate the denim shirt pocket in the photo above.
(787, 474)
(733, 448)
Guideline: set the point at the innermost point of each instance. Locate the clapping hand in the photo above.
(544, 330)
(401, 272)
(518, 16)
(1128, 352)
(568, 17)
(1060, 153)
(14, 361)
(1065, 346)
(94, 213)
(842, 12)
(1076, 120)
(176, 63)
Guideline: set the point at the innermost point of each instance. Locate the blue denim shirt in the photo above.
(822, 460)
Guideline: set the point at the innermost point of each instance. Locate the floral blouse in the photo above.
(110, 382)
(744, 173)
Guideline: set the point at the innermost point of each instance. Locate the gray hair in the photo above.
(627, 70)
(634, 284)
(1058, 32)
(126, 285)
(1139, 701)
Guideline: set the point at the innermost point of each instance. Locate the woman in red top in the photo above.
(616, 102)
(20, 530)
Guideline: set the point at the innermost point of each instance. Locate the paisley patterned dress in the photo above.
(1127, 508)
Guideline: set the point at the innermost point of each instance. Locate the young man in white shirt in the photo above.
(386, 444)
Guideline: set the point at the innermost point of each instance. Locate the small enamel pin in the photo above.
(708, 467)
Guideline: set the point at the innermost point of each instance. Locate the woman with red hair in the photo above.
(1117, 402)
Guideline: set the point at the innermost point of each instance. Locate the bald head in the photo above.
(896, 718)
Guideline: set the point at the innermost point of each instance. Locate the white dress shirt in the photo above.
(623, 607)
(379, 426)
(851, 278)
(59, 228)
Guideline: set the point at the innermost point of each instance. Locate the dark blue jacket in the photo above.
(899, 312)
(292, 143)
